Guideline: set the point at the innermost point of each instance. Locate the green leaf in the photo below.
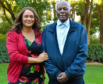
(20, 83)
(32, 68)
(42, 76)
(31, 71)
(37, 83)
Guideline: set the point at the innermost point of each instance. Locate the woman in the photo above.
(24, 47)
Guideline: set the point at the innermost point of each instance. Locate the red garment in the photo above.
(18, 54)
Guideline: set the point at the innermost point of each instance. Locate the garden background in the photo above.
(87, 12)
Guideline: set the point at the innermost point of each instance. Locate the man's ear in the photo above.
(56, 13)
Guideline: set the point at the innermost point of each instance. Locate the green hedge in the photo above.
(4, 58)
(95, 53)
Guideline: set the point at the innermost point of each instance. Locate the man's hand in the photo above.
(62, 77)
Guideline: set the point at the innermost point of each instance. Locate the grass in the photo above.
(93, 75)
(3, 73)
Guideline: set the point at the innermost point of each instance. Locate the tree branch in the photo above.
(91, 8)
(3, 6)
(6, 16)
(10, 11)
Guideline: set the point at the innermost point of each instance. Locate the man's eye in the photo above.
(58, 9)
(62, 9)
(65, 8)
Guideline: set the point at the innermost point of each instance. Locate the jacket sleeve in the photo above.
(51, 69)
(12, 48)
(79, 61)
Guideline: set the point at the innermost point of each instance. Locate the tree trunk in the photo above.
(73, 12)
(86, 17)
(101, 30)
(54, 12)
(86, 8)
(100, 13)
(88, 23)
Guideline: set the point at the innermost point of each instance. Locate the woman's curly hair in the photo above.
(18, 22)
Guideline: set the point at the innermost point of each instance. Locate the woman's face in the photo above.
(28, 18)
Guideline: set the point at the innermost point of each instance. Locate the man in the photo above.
(65, 41)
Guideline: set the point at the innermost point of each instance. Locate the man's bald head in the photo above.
(63, 10)
(58, 3)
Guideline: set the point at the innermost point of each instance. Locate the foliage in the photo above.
(94, 39)
(13, 7)
(42, 7)
(4, 58)
(94, 27)
(10, 9)
(95, 53)
(2, 37)
(95, 24)
(4, 26)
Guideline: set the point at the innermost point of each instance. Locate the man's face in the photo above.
(62, 11)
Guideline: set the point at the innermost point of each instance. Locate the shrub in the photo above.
(95, 53)
(4, 26)
(2, 37)
(4, 58)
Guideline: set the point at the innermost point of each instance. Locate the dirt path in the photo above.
(94, 63)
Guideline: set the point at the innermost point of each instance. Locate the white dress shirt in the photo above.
(62, 31)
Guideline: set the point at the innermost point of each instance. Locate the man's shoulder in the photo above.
(77, 24)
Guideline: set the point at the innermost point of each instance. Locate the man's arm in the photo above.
(81, 57)
(51, 69)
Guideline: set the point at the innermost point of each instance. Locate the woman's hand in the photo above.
(42, 57)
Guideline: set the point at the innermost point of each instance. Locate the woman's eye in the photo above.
(25, 16)
(31, 16)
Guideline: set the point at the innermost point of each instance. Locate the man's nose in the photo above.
(62, 10)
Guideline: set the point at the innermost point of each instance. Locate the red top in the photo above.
(18, 54)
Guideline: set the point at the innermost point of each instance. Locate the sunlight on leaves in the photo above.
(98, 1)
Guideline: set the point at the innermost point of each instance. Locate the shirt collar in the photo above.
(66, 23)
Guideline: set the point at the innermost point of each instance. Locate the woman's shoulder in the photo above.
(37, 33)
(12, 33)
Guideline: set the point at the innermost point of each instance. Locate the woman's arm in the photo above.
(41, 58)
